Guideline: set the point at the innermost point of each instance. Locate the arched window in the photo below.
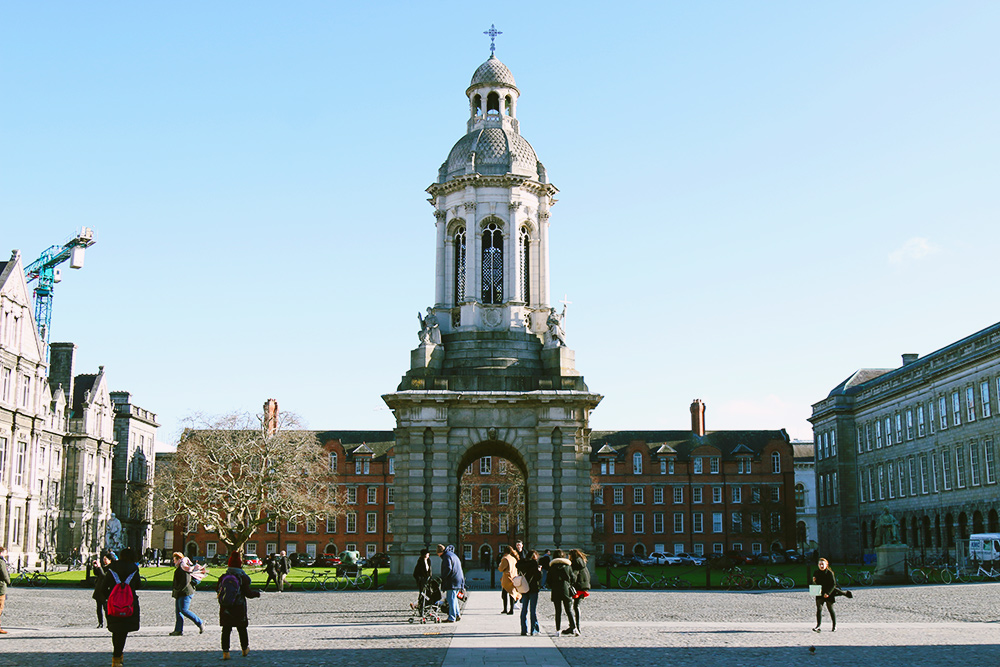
(637, 463)
(800, 495)
(493, 104)
(507, 105)
(492, 264)
(477, 105)
(775, 462)
(460, 266)
(523, 265)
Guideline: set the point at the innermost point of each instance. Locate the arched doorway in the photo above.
(977, 522)
(993, 522)
(330, 548)
(949, 531)
(639, 549)
(492, 502)
(963, 526)
(914, 532)
(192, 550)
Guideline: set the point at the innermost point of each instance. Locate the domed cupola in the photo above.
(493, 145)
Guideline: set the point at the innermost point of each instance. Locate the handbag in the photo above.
(521, 584)
(815, 590)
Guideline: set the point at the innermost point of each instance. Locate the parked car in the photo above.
(765, 558)
(793, 556)
(253, 560)
(662, 558)
(690, 559)
(326, 560)
(613, 560)
(381, 559)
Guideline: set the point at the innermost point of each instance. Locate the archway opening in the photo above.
(977, 522)
(492, 503)
(993, 522)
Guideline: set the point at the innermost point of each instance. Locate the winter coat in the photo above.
(828, 580)
(581, 575)
(123, 570)
(100, 576)
(560, 579)
(182, 584)
(508, 565)
(4, 577)
(531, 571)
(422, 571)
(452, 576)
(235, 616)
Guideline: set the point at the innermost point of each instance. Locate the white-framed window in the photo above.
(716, 522)
(714, 465)
(638, 523)
(619, 522)
(909, 424)
(604, 467)
(670, 467)
(352, 495)
(697, 522)
(502, 527)
(637, 495)
(871, 487)
(890, 469)
(881, 483)
(775, 494)
(484, 523)
(921, 427)
(678, 522)
(599, 496)
(755, 524)
(737, 495)
(484, 495)
(467, 552)
(984, 397)
(934, 470)
(372, 495)
(390, 495)
(922, 463)
(251, 548)
(888, 431)
(636, 463)
(310, 525)
(620, 549)
(311, 550)
(775, 522)
(618, 495)
(272, 524)
(913, 479)
(271, 548)
(291, 526)
(352, 522)
(878, 434)
(211, 548)
(392, 465)
(899, 428)
(502, 466)
(956, 409)
(599, 522)
(754, 495)
(716, 494)
(970, 404)
(696, 495)
(833, 444)
(502, 494)
(776, 463)
(362, 466)
(663, 466)
(974, 464)
(332, 457)
(960, 467)
(943, 409)
(657, 495)
(678, 495)
(946, 468)
(485, 465)
(990, 461)
(657, 522)
(861, 487)
(331, 523)
(21, 462)
(737, 522)
(371, 522)
(697, 465)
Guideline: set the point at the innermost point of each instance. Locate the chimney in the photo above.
(698, 417)
(270, 416)
(910, 358)
(61, 358)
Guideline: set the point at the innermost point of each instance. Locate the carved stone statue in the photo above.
(430, 331)
(886, 529)
(555, 335)
(113, 536)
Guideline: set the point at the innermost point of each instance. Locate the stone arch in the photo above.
(992, 521)
(330, 548)
(486, 556)
(191, 550)
(639, 549)
(977, 522)
(963, 526)
(494, 446)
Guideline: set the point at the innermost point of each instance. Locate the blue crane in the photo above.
(44, 269)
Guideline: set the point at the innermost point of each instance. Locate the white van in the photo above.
(984, 546)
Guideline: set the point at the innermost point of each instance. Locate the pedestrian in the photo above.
(827, 581)
(561, 584)
(4, 583)
(529, 569)
(581, 581)
(508, 566)
(120, 583)
(421, 573)
(271, 567)
(183, 591)
(452, 580)
(100, 577)
(233, 590)
(282, 567)
(543, 563)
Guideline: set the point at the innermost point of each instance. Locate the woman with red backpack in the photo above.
(120, 582)
(233, 590)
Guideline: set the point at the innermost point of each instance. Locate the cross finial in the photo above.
(492, 32)
(565, 301)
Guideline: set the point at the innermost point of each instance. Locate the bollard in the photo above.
(375, 578)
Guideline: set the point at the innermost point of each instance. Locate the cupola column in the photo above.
(441, 272)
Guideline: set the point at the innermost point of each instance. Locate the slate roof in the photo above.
(803, 451)
(379, 442)
(683, 442)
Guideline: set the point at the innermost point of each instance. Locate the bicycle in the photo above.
(360, 581)
(25, 578)
(671, 582)
(769, 580)
(632, 578)
(735, 579)
(321, 580)
(982, 573)
(948, 576)
(858, 577)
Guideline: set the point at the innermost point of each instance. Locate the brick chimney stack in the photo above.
(698, 417)
(270, 416)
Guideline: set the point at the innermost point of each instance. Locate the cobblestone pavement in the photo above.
(880, 627)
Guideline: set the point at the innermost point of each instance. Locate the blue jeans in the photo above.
(182, 608)
(451, 596)
(529, 600)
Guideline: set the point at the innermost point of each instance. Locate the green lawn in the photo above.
(162, 577)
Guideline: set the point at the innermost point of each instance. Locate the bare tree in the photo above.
(495, 498)
(234, 474)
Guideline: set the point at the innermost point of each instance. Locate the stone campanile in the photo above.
(492, 373)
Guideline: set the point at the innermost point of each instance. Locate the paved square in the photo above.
(881, 627)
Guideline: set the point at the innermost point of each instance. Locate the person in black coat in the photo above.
(561, 583)
(271, 568)
(235, 616)
(119, 626)
(581, 581)
(421, 573)
(100, 574)
(827, 580)
(528, 568)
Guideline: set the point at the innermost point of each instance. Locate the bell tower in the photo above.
(492, 373)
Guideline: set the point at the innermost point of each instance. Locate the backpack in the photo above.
(122, 598)
(229, 590)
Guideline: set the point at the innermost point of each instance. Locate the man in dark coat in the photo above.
(283, 567)
(235, 616)
(452, 580)
(119, 626)
(271, 567)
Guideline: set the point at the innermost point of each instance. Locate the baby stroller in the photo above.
(429, 603)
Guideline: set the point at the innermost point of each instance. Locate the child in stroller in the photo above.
(431, 605)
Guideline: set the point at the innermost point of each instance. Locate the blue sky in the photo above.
(756, 198)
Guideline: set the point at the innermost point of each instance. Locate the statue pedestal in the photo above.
(890, 564)
(427, 355)
(559, 359)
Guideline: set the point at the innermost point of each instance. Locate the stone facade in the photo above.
(806, 524)
(133, 469)
(919, 440)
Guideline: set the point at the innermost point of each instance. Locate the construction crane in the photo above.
(45, 270)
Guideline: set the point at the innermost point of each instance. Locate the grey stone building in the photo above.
(919, 441)
(806, 524)
(133, 469)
